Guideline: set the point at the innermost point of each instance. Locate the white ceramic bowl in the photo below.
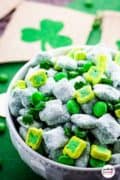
(41, 165)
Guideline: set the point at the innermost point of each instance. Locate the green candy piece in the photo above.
(67, 131)
(3, 78)
(80, 70)
(100, 108)
(46, 64)
(106, 81)
(48, 98)
(79, 85)
(110, 107)
(27, 119)
(72, 74)
(87, 66)
(37, 97)
(73, 107)
(60, 75)
(34, 112)
(64, 159)
(96, 163)
(117, 106)
(88, 3)
(40, 106)
(80, 133)
(2, 127)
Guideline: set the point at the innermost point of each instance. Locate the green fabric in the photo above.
(13, 166)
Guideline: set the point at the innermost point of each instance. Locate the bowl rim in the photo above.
(11, 125)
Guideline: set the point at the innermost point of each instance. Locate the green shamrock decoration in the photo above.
(118, 44)
(48, 33)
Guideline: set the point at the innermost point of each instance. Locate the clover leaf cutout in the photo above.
(47, 33)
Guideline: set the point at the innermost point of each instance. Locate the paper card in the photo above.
(36, 27)
(111, 29)
(6, 6)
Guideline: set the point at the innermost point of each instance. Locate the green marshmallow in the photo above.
(37, 97)
(64, 159)
(73, 107)
(2, 127)
(60, 75)
(27, 119)
(80, 133)
(106, 81)
(38, 78)
(87, 65)
(3, 78)
(100, 108)
(95, 163)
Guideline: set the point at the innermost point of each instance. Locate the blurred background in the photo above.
(11, 166)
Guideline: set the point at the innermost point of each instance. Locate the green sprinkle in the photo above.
(64, 159)
(3, 78)
(106, 81)
(96, 163)
(60, 75)
(37, 97)
(100, 108)
(2, 127)
(80, 133)
(27, 119)
(73, 107)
